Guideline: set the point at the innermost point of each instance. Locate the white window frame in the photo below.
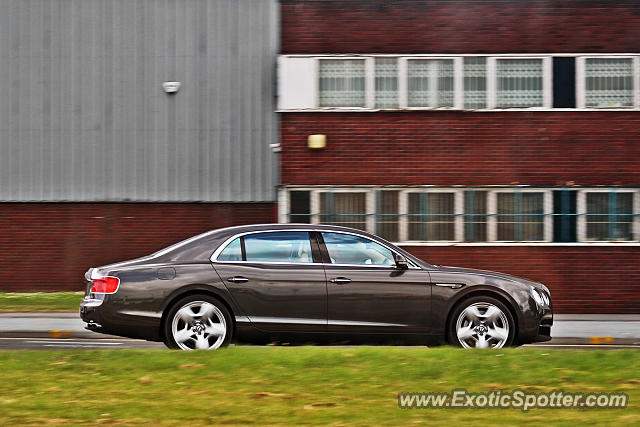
(492, 210)
(581, 210)
(581, 81)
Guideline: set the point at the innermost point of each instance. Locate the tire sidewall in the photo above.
(170, 341)
(452, 337)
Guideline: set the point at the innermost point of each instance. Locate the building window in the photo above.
(386, 83)
(609, 82)
(469, 82)
(478, 214)
(431, 216)
(387, 219)
(520, 216)
(475, 82)
(430, 83)
(342, 82)
(347, 209)
(519, 83)
(609, 215)
(475, 216)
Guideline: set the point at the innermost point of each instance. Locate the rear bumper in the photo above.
(102, 316)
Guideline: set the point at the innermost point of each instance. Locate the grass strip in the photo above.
(302, 385)
(40, 301)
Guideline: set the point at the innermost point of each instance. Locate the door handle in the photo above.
(340, 280)
(450, 285)
(238, 279)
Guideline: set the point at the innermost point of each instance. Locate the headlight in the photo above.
(538, 297)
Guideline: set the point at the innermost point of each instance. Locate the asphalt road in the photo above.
(23, 343)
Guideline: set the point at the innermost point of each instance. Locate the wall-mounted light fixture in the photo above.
(317, 142)
(171, 87)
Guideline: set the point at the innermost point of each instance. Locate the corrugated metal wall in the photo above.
(83, 116)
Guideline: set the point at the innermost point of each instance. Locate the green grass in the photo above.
(302, 385)
(40, 301)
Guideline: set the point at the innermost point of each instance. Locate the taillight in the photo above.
(105, 285)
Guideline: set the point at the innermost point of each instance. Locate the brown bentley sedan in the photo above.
(308, 283)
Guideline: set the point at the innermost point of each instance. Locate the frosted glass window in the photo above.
(386, 83)
(475, 82)
(519, 83)
(430, 82)
(342, 83)
(609, 82)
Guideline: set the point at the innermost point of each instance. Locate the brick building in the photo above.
(500, 135)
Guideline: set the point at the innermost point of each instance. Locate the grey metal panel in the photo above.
(83, 116)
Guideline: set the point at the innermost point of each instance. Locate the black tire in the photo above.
(452, 336)
(191, 302)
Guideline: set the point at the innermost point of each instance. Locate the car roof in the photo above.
(201, 247)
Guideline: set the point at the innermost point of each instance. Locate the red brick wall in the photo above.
(461, 148)
(582, 279)
(49, 246)
(473, 26)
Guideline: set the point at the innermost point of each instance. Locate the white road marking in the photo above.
(74, 342)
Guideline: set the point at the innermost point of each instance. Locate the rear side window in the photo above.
(233, 251)
(356, 250)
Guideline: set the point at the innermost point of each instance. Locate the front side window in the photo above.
(281, 246)
(520, 216)
(609, 82)
(356, 250)
(519, 83)
(342, 83)
(609, 216)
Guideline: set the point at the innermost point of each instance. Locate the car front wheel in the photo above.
(481, 322)
(198, 322)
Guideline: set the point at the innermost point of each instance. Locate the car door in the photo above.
(367, 293)
(275, 279)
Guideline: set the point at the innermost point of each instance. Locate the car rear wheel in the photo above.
(198, 322)
(481, 322)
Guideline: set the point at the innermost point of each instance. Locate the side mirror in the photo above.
(401, 262)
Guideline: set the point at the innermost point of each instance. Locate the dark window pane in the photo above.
(233, 252)
(564, 82)
(349, 249)
(283, 246)
(564, 220)
(299, 207)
